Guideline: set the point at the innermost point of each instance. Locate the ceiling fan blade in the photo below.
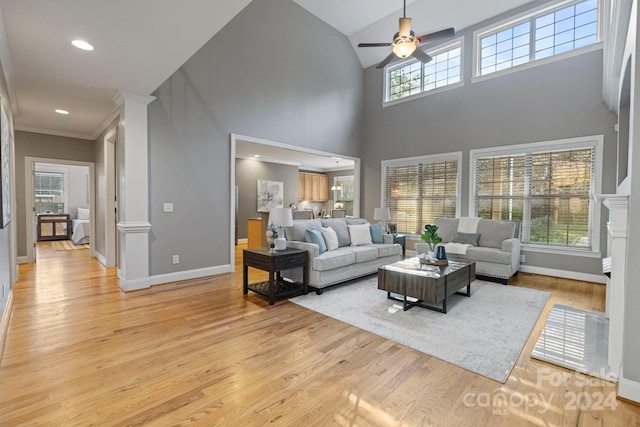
(373, 44)
(386, 60)
(438, 35)
(421, 56)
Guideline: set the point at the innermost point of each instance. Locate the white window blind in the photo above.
(549, 192)
(418, 192)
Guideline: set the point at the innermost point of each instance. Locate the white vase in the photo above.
(432, 254)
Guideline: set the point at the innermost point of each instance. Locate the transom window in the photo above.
(570, 26)
(419, 189)
(549, 188)
(413, 77)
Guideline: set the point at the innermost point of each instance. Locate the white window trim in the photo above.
(65, 177)
(500, 25)
(595, 141)
(452, 44)
(432, 158)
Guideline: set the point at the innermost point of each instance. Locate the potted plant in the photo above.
(431, 238)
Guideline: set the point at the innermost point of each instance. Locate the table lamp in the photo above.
(383, 215)
(281, 217)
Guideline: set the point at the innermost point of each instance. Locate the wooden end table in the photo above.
(274, 263)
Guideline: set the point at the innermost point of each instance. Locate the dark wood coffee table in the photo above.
(426, 283)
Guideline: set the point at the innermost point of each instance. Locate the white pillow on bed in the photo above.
(83, 213)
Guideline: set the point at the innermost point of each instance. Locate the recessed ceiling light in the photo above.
(81, 44)
(256, 155)
(59, 111)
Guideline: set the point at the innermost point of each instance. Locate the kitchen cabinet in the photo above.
(313, 187)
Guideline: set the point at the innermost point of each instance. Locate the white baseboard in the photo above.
(575, 275)
(159, 279)
(628, 389)
(133, 285)
(22, 259)
(4, 322)
(101, 258)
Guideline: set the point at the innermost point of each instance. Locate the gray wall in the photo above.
(247, 173)
(253, 78)
(547, 102)
(29, 144)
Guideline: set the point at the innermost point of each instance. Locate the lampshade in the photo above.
(281, 217)
(382, 214)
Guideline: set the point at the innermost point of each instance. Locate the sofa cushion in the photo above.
(296, 231)
(493, 232)
(339, 225)
(466, 238)
(356, 221)
(376, 233)
(488, 255)
(387, 250)
(446, 228)
(330, 238)
(359, 234)
(365, 253)
(334, 259)
(314, 236)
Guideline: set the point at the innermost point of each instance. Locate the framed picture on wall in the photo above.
(5, 169)
(270, 195)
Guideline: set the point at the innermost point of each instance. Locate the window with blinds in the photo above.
(418, 190)
(49, 186)
(550, 192)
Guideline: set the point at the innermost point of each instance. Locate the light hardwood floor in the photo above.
(80, 352)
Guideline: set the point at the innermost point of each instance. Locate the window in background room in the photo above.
(49, 192)
(345, 196)
(548, 188)
(569, 26)
(419, 189)
(413, 77)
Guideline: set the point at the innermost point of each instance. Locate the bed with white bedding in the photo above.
(81, 227)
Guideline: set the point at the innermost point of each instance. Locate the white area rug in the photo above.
(484, 333)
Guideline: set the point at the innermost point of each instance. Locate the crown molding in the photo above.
(53, 132)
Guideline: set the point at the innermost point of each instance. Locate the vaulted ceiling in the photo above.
(136, 51)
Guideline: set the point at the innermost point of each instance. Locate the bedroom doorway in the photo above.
(61, 189)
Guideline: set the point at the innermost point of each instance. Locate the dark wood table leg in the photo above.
(245, 281)
(305, 275)
(272, 289)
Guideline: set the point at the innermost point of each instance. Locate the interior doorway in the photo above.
(77, 184)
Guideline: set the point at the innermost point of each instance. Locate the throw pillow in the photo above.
(314, 236)
(376, 233)
(83, 213)
(360, 234)
(466, 238)
(330, 238)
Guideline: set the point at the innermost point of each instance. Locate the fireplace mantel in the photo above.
(617, 230)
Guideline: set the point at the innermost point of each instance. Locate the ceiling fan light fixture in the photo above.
(404, 48)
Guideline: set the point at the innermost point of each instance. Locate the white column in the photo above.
(133, 192)
(617, 228)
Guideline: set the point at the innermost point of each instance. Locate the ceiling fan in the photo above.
(405, 42)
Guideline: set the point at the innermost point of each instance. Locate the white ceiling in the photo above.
(140, 43)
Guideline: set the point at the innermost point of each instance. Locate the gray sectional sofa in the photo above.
(497, 252)
(344, 263)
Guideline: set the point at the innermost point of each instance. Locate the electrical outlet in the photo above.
(176, 259)
(522, 258)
